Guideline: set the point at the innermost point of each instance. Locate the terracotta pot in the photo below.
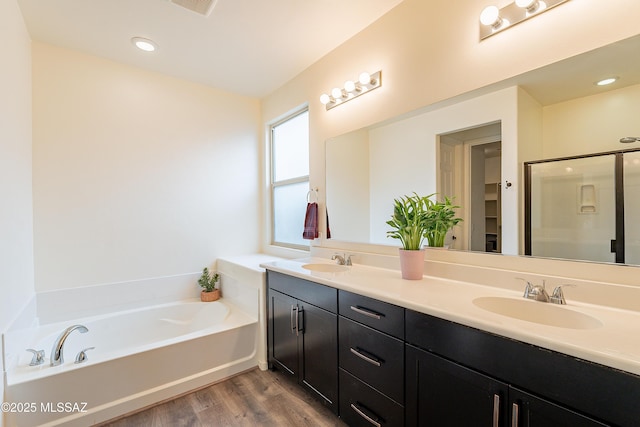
(210, 296)
(412, 264)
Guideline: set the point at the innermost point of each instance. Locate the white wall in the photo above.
(137, 174)
(16, 220)
(591, 124)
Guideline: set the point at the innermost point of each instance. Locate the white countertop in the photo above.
(616, 343)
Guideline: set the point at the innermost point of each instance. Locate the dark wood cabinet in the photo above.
(528, 410)
(451, 366)
(371, 361)
(302, 336)
(375, 363)
(442, 393)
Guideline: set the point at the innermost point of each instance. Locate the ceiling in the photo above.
(248, 47)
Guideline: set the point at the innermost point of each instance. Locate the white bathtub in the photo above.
(143, 353)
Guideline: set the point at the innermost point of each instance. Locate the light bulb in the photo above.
(490, 16)
(364, 78)
(336, 92)
(324, 99)
(349, 86)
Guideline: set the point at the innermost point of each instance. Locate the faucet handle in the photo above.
(528, 288)
(38, 357)
(82, 355)
(347, 260)
(557, 297)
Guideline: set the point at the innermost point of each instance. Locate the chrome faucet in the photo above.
(58, 345)
(535, 292)
(342, 259)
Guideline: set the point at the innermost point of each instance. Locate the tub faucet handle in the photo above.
(38, 357)
(82, 355)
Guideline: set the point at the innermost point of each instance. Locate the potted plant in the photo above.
(209, 282)
(441, 217)
(410, 222)
(414, 219)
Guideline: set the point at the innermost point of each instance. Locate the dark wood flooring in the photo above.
(255, 398)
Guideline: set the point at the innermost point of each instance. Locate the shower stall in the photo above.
(584, 207)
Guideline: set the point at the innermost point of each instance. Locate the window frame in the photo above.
(273, 184)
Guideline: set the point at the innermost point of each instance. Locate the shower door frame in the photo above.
(617, 244)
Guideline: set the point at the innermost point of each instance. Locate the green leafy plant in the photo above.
(416, 218)
(208, 281)
(441, 217)
(409, 220)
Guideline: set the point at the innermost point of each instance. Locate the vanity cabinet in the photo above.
(371, 359)
(457, 373)
(303, 334)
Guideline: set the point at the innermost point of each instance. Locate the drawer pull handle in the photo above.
(365, 357)
(367, 313)
(514, 415)
(294, 309)
(496, 410)
(365, 416)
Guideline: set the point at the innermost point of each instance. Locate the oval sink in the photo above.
(538, 312)
(326, 268)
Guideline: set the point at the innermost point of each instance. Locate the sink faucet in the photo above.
(535, 292)
(342, 259)
(58, 345)
(558, 296)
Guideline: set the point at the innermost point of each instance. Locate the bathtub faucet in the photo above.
(58, 345)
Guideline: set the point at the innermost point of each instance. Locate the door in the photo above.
(319, 353)
(572, 209)
(442, 393)
(284, 336)
(531, 411)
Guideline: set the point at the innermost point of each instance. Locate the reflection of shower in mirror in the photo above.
(629, 139)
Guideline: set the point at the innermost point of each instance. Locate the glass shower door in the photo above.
(632, 207)
(572, 208)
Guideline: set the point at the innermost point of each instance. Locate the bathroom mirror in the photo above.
(574, 117)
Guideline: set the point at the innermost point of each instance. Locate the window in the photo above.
(289, 180)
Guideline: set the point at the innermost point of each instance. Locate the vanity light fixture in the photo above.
(144, 44)
(366, 82)
(494, 20)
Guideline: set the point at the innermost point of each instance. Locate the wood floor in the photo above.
(255, 398)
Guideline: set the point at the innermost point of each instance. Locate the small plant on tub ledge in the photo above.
(209, 284)
(414, 219)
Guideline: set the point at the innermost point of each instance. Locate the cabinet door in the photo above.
(283, 335)
(442, 393)
(319, 353)
(531, 411)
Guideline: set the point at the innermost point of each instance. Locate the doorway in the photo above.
(470, 171)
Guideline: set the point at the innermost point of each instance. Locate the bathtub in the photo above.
(144, 353)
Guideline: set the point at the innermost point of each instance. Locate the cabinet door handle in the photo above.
(514, 415)
(496, 410)
(366, 312)
(364, 357)
(294, 324)
(299, 312)
(365, 416)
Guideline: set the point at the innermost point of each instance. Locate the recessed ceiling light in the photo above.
(144, 44)
(606, 81)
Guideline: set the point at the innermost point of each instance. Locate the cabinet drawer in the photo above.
(361, 405)
(314, 293)
(373, 357)
(379, 315)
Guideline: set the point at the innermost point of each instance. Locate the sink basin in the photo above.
(326, 268)
(538, 312)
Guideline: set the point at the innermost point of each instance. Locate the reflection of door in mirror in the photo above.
(470, 171)
(632, 207)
